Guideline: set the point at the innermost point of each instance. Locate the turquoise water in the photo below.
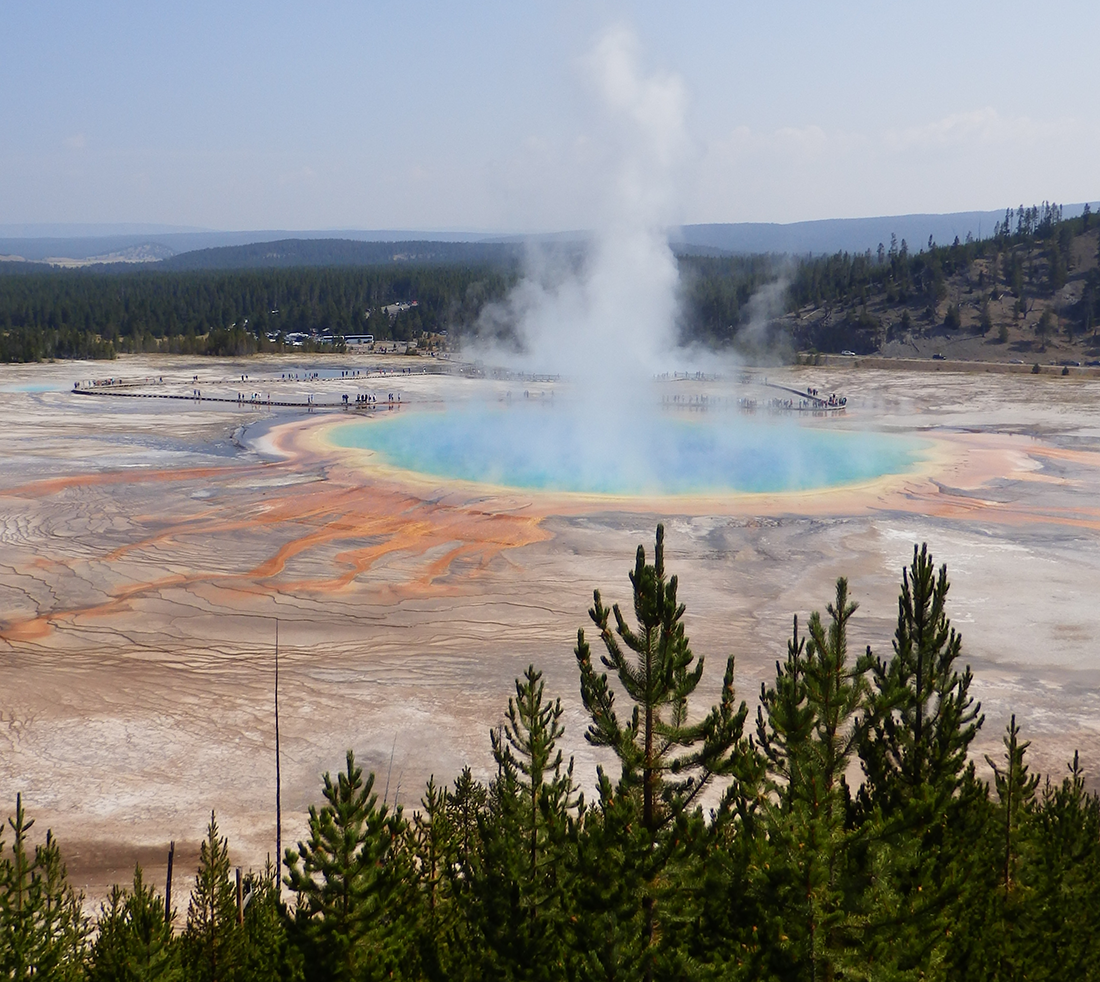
(37, 387)
(557, 450)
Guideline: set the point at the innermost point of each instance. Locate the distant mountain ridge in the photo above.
(840, 234)
(832, 235)
(167, 245)
(287, 253)
(90, 230)
(40, 248)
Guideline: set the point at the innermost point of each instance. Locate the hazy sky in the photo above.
(484, 115)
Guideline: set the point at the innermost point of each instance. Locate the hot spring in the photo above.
(551, 448)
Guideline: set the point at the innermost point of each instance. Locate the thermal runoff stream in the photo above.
(544, 448)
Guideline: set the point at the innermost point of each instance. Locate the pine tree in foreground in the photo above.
(528, 838)
(528, 757)
(919, 792)
(1015, 792)
(666, 760)
(211, 941)
(1064, 881)
(354, 884)
(134, 941)
(43, 931)
(268, 953)
(467, 806)
(433, 847)
(447, 846)
(1007, 947)
(806, 730)
(922, 718)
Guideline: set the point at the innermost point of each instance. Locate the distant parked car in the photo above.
(1093, 364)
(848, 354)
(1070, 361)
(938, 357)
(1017, 361)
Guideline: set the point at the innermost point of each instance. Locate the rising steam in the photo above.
(606, 321)
(612, 316)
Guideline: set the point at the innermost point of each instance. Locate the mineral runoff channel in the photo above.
(149, 545)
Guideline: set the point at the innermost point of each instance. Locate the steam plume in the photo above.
(614, 317)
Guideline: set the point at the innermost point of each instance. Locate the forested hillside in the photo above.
(716, 293)
(80, 314)
(1033, 287)
(850, 836)
(93, 313)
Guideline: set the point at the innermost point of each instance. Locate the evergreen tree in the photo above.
(785, 721)
(447, 950)
(268, 954)
(63, 924)
(1015, 792)
(450, 858)
(20, 942)
(666, 761)
(922, 718)
(1045, 327)
(466, 805)
(134, 942)
(1064, 880)
(609, 938)
(951, 934)
(526, 750)
(352, 878)
(43, 932)
(528, 839)
(433, 838)
(913, 748)
(211, 941)
(1008, 947)
(806, 728)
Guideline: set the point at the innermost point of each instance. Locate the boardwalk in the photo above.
(817, 404)
(119, 388)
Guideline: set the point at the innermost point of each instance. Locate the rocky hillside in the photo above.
(1031, 293)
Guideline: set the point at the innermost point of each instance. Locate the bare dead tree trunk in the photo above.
(278, 770)
(168, 883)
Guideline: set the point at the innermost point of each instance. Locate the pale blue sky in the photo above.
(483, 115)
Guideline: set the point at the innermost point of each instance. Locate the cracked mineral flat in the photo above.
(148, 546)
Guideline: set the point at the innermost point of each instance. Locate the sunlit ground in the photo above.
(149, 547)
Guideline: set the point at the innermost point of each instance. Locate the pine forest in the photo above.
(1030, 289)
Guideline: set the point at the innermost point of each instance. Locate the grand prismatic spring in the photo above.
(418, 557)
(548, 448)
